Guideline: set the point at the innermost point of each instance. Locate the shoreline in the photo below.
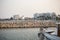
(21, 27)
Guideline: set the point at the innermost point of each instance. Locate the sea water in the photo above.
(20, 34)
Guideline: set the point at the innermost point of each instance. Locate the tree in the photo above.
(57, 18)
(11, 18)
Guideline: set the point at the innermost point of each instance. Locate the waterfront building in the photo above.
(45, 16)
(16, 17)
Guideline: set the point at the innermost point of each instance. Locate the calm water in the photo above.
(19, 34)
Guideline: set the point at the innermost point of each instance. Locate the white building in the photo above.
(45, 16)
(16, 17)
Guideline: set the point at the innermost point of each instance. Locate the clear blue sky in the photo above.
(27, 8)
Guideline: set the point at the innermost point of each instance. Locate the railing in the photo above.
(51, 37)
(47, 36)
(43, 35)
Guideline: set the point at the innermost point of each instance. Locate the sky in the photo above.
(27, 8)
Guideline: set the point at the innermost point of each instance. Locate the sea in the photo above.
(22, 33)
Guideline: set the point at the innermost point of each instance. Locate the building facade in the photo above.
(45, 16)
(16, 17)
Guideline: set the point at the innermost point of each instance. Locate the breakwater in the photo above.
(26, 23)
